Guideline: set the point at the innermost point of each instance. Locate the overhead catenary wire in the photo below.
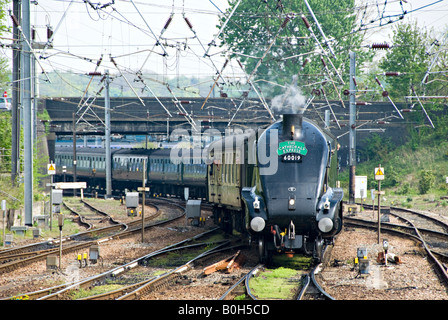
(192, 10)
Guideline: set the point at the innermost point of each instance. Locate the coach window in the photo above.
(231, 173)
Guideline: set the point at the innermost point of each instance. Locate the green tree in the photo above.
(407, 56)
(5, 141)
(256, 24)
(4, 68)
(414, 52)
(376, 148)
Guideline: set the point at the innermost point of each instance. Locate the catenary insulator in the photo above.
(392, 74)
(168, 23)
(323, 62)
(188, 22)
(305, 62)
(285, 22)
(380, 46)
(307, 24)
(377, 81)
(49, 32)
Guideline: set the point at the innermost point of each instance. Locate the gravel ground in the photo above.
(114, 253)
(195, 286)
(413, 279)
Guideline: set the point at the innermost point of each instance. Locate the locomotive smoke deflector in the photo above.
(292, 126)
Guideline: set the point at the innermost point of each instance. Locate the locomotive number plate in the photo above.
(291, 157)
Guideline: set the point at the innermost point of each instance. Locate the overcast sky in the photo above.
(127, 33)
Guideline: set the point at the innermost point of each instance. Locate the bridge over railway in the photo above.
(156, 116)
(159, 117)
(162, 115)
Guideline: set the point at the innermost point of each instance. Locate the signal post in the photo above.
(379, 176)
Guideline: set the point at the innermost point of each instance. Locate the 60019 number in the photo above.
(291, 157)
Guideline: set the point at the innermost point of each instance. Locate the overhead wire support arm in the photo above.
(182, 109)
(252, 87)
(152, 92)
(50, 40)
(320, 29)
(436, 56)
(329, 106)
(418, 99)
(213, 42)
(91, 103)
(190, 25)
(81, 101)
(158, 42)
(385, 93)
(16, 22)
(130, 86)
(332, 81)
(308, 26)
(215, 82)
(165, 27)
(249, 77)
(285, 22)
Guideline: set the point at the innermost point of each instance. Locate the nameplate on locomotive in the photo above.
(292, 150)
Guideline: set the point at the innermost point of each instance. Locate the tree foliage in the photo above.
(255, 25)
(407, 56)
(4, 69)
(5, 141)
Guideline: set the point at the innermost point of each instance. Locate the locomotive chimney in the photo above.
(292, 126)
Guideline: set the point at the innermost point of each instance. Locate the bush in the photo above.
(426, 181)
(405, 189)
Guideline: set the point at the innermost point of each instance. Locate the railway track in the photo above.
(311, 289)
(15, 258)
(430, 232)
(308, 287)
(136, 290)
(146, 285)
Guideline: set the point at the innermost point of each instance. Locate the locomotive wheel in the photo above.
(264, 255)
(318, 250)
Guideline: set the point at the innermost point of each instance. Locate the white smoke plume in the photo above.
(291, 101)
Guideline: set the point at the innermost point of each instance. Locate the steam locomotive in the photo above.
(278, 184)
